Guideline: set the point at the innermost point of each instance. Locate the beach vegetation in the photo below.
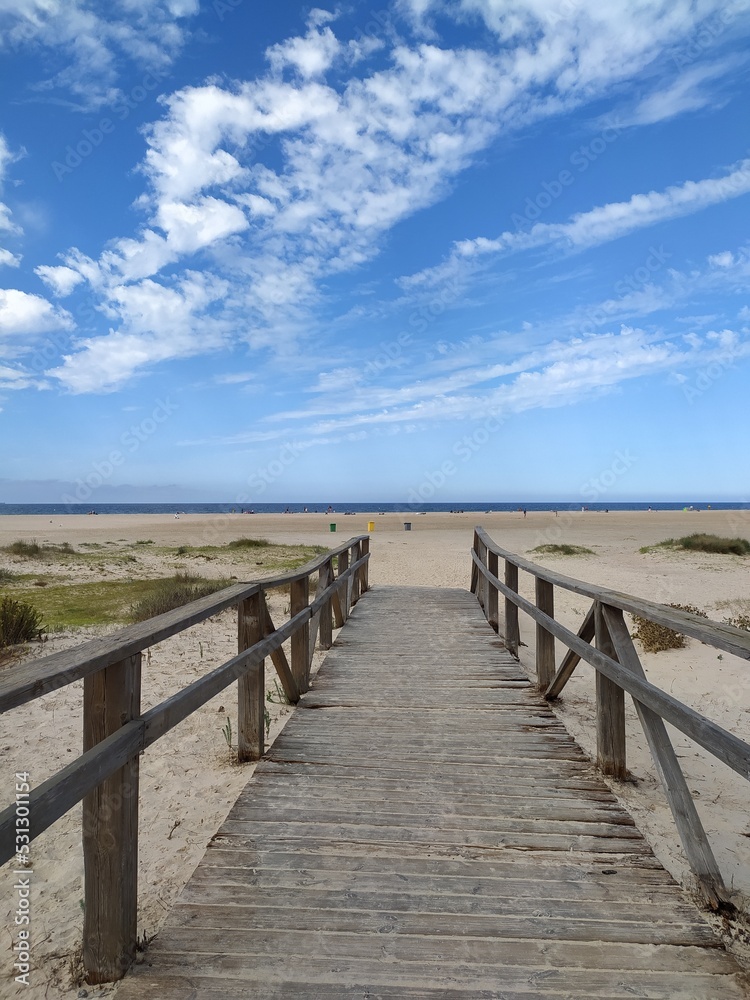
(19, 622)
(655, 638)
(173, 592)
(31, 549)
(563, 549)
(739, 621)
(6, 575)
(700, 542)
(249, 543)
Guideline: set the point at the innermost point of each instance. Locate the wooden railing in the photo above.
(618, 670)
(115, 732)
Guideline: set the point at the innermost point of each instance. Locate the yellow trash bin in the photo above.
(370, 525)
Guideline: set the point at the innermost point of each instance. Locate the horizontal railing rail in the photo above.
(603, 640)
(115, 732)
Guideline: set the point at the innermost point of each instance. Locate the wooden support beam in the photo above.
(492, 612)
(610, 708)
(343, 591)
(692, 834)
(512, 635)
(571, 658)
(545, 641)
(279, 660)
(354, 582)
(251, 686)
(299, 599)
(474, 569)
(326, 624)
(364, 548)
(111, 698)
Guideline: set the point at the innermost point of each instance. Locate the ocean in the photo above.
(360, 508)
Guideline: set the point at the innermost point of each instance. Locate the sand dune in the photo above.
(188, 780)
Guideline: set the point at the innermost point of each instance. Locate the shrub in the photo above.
(740, 621)
(564, 550)
(22, 548)
(19, 622)
(705, 543)
(715, 543)
(33, 549)
(249, 543)
(656, 638)
(6, 575)
(173, 592)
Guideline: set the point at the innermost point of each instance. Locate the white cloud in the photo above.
(586, 229)
(62, 280)
(157, 323)
(22, 313)
(310, 56)
(348, 161)
(558, 374)
(686, 93)
(8, 259)
(88, 46)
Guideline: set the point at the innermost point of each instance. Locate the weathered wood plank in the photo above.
(718, 634)
(111, 699)
(610, 708)
(420, 830)
(251, 685)
(571, 659)
(688, 823)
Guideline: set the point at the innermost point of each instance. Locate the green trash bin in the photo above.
(332, 526)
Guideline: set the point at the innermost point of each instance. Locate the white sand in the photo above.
(188, 782)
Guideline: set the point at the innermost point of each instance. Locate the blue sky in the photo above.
(477, 249)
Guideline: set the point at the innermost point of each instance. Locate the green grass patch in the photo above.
(172, 593)
(250, 543)
(554, 549)
(6, 575)
(34, 550)
(107, 602)
(699, 542)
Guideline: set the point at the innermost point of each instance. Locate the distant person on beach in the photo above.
(524, 512)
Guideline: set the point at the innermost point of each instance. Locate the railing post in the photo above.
(545, 641)
(492, 616)
(512, 634)
(250, 686)
(610, 708)
(344, 591)
(299, 596)
(364, 579)
(356, 550)
(474, 585)
(326, 623)
(482, 584)
(111, 697)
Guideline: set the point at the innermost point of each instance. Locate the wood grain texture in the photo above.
(425, 827)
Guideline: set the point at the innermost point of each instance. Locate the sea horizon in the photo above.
(370, 507)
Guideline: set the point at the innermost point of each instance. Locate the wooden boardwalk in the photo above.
(425, 827)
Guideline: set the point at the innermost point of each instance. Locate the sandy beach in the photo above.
(188, 779)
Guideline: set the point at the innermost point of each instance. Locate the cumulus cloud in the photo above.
(22, 313)
(156, 323)
(88, 45)
(282, 182)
